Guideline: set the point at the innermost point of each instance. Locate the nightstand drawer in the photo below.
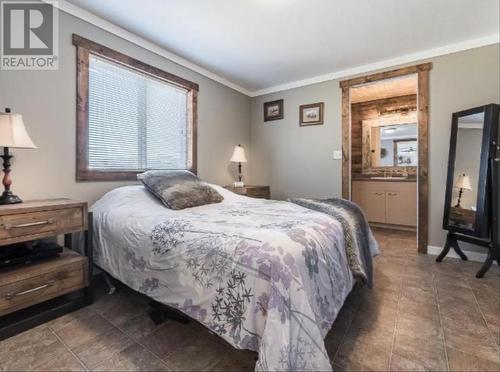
(261, 192)
(42, 281)
(40, 224)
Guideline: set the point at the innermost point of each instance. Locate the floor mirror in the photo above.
(471, 202)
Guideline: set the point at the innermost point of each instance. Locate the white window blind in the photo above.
(136, 122)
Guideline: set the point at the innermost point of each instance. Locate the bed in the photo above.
(269, 276)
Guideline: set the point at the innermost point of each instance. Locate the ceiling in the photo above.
(385, 89)
(263, 45)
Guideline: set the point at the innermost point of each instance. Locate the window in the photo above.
(131, 116)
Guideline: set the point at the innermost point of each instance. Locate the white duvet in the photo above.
(269, 276)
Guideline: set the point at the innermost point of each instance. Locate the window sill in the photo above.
(105, 175)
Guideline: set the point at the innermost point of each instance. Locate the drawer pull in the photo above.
(10, 296)
(9, 226)
(392, 194)
(379, 193)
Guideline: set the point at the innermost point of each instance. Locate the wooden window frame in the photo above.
(84, 48)
(422, 71)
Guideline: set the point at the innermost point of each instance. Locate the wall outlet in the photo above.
(337, 154)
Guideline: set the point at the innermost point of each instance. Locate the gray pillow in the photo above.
(179, 189)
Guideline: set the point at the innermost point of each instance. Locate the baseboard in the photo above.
(472, 256)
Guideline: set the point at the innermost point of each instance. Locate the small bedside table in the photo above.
(261, 192)
(33, 293)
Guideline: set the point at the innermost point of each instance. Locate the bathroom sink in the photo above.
(389, 178)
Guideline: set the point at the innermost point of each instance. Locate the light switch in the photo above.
(337, 154)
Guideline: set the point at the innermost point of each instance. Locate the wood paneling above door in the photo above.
(370, 111)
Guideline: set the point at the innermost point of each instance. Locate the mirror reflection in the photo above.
(466, 175)
(394, 145)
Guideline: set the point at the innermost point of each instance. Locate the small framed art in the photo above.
(273, 110)
(311, 114)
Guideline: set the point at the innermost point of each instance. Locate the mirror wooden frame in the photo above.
(367, 125)
(482, 215)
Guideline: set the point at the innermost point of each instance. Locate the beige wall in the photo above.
(295, 161)
(47, 101)
(298, 161)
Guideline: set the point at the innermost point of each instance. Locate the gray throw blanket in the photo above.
(357, 234)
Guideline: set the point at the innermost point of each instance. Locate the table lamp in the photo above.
(239, 157)
(463, 183)
(12, 134)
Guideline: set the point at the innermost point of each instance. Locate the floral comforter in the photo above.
(268, 276)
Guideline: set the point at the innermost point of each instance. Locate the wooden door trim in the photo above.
(422, 70)
(423, 160)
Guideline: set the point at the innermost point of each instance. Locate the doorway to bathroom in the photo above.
(385, 148)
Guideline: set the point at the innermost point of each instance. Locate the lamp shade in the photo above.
(13, 133)
(239, 155)
(463, 182)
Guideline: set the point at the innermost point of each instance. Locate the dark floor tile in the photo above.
(421, 342)
(339, 329)
(373, 324)
(460, 361)
(168, 338)
(419, 325)
(28, 349)
(399, 363)
(460, 313)
(202, 354)
(138, 327)
(95, 351)
(81, 329)
(355, 354)
(81, 315)
(133, 358)
(413, 306)
(61, 359)
(424, 293)
(123, 309)
(474, 338)
(236, 360)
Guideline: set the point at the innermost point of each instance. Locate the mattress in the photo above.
(268, 276)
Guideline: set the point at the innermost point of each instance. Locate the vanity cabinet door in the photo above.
(401, 208)
(372, 202)
(375, 209)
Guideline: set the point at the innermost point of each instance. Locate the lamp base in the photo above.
(9, 198)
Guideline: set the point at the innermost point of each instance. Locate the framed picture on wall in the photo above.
(311, 114)
(273, 110)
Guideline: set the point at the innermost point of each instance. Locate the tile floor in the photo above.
(419, 316)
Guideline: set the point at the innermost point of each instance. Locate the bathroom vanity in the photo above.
(386, 201)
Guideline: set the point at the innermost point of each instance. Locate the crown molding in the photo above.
(95, 20)
(408, 58)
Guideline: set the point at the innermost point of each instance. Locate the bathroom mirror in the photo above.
(394, 145)
(390, 144)
(466, 192)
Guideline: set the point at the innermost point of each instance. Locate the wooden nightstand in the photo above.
(34, 293)
(262, 192)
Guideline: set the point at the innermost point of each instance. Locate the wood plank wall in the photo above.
(370, 110)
